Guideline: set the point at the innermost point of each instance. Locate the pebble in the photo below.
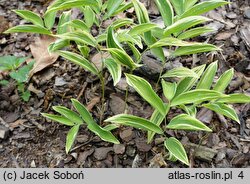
(231, 15)
(119, 148)
(126, 134)
(4, 132)
(130, 151)
(101, 153)
(247, 12)
(142, 145)
(59, 81)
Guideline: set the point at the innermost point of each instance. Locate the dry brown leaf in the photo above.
(93, 102)
(17, 123)
(97, 59)
(39, 50)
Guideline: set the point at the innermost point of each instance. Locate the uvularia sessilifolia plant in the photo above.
(182, 22)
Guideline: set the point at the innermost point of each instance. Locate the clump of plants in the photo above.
(16, 70)
(194, 88)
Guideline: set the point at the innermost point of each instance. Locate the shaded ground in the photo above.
(33, 142)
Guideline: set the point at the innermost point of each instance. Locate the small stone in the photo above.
(142, 145)
(33, 164)
(220, 156)
(4, 132)
(119, 148)
(231, 15)
(126, 134)
(213, 140)
(116, 104)
(157, 161)
(83, 156)
(101, 153)
(122, 85)
(59, 81)
(247, 12)
(130, 151)
(82, 138)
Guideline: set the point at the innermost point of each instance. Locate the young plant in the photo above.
(18, 73)
(182, 21)
(193, 90)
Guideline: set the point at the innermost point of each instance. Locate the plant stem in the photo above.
(126, 96)
(102, 79)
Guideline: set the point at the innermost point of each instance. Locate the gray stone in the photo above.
(119, 148)
(130, 151)
(59, 81)
(4, 132)
(247, 12)
(102, 153)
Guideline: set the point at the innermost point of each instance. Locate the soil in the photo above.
(33, 141)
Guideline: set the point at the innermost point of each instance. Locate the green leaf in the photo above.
(178, 6)
(123, 7)
(103, 133)
(189, 3)
(122, 58)
(136, 52)
(22, 74)
(28, 29)
(203, 7)
(84, 113)
(142, 28)
(175, 148)
(78, 24)
(170, 41)
(79, 36)
(191, 110)
(79, 60)
(121, 22)
(92, 125)
(198, 95)
(187, 122)
(194, 32)
(195, 49)
(71, 136)
(180, 73)
(71, 115)
(223, 109)
(64, 18)
(26, 95)
(224, 80)
(134, 121)
(208, 76)
(49, 19)
(188, 82)
(111, 127)
(235, 98)
(112, 42)
(60, 119)
(114, 69)
(146, 91)
(125, 37)
(169, 89)
(10, 62)
(89, 16)
(72, 4)
(150, 40)
(112, 6)
(166, 11)
(156, 118)
(30, 16)
(184, 24)
(141, 12)
(58, 44)
(4, 82)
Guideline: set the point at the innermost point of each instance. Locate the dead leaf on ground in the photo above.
(93, 102)
(97, 59)
(17, 123)
(39, 50)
